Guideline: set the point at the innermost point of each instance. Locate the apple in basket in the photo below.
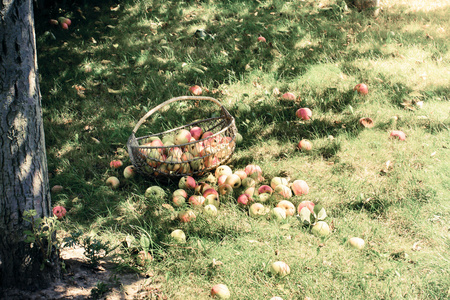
(196, 132)
(182, 137)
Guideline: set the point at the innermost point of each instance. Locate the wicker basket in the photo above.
(192, 158)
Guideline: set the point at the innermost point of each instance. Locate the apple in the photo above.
(155, 192)
(154, 157)
(251, 191)
(248, 182)
(187, 183)
(196, 132)
(280, 268)
(257, 210)
(282, 191)
(288, 207)
(321, 229)
(356, 242)
(182, 137)
(239, 138)
(277, 181)
(210, 210)
(212, 197)
(187, 216)
(233, 180)
(305, 145)
(57, 188)
(179, 236)
(207, 134)
(398, 134)
(300, 187)
(175, 151)
(309, 204)
(220, 291)
(129, 172)
(261, 39)
(197, 164)
(211, 161)
(53, 22)
(180, 192)
(243, 199)
(241, 174)
(178, 200)
(195, 90)
(173, 163)
(115, 164)
(68, 21)
(64, 26)
(361, 88)
(264, 197)
(288, 96)
(168, 138)
(265, 189)
(221, 179)
(278, 213)
(225, 189)
(255, 172)
(304, 113)
(113, 182)
(223, 170)
(196, 200)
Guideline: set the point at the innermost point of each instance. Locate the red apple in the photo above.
(288, 96)
(196, 200)
(64, 26)
(398, 134)
(305, 145)
(115, 164)
(304, 113)
(187, 216)
(178, 200)
(129, 172)
(361, 88)
(222, 179)
(265, 189)
(182, 137)
(261, 39)
(196, 132)
(309, 204)
(243, 199)
(300, 187)
(195, 90)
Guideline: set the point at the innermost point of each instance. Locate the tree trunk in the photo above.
(23, 163)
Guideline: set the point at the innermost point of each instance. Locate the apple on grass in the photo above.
(309, 204)
(361, 89)
(304, 113)
(288, 96)
(261, 39)
(321, 229)
(196, 200)
(178, 200)
(129, 172)
(278, 213)
(244, 200)
(277, 181)
(257, 210)
(113, 182)
(210, 210)
(187, 215)
(288, 207)
(282, 191)
(241, 174)
(300, 187)
(155, 192)
(356, 242)
(187, 183)
(304, 145)
(280, 268)
(265, 189)
(115, 164)
(248, 182)
(233, 180)
(195, 90)
(220, 291)
(398, 134)
(179, 236)
(223, 170)
(225, 189)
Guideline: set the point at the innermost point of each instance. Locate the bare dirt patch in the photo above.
(81, 281)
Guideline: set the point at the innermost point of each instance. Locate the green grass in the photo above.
(115, 63)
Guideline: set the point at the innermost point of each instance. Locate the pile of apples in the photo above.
(270, 199)
(187, 152)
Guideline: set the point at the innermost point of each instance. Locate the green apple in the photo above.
(179, 236)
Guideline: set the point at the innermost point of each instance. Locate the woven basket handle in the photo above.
(181, 98)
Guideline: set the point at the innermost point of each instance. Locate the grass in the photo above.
(119, 60)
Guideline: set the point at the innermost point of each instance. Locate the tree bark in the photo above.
(23, 163)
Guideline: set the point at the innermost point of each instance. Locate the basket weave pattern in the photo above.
(151, 157)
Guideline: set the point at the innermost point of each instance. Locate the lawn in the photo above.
(119, 59)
